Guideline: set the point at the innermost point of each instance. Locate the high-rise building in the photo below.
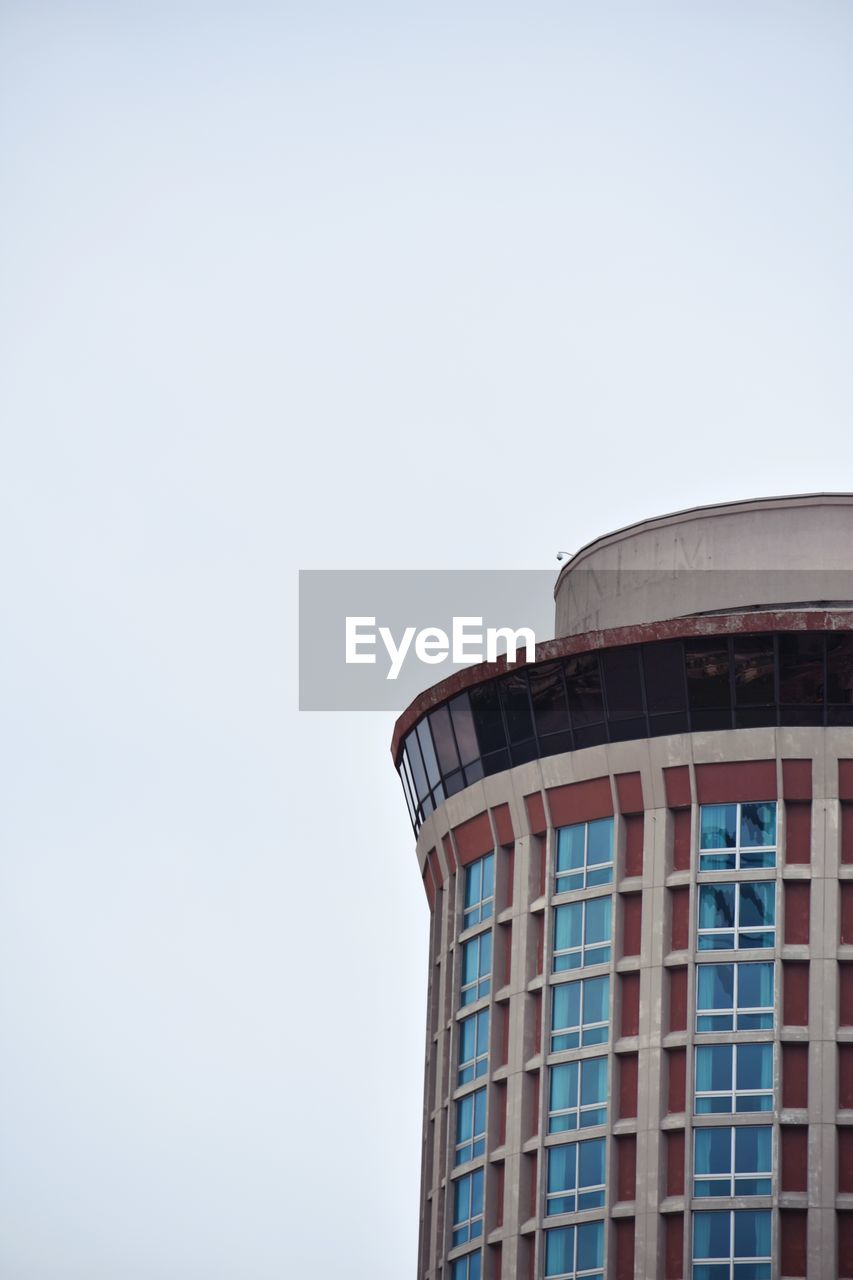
(638, 855)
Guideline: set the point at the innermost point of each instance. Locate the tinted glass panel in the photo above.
(754, 717)
(839, 662)
(672, 722)
(707, 668)
(801, 668)
(755, 665)
(454, 782)
(555, 743)
(548, 695)
(622, 683)
(592, 734)
(752, 1233)
(521, 752)
(718, 826)
(590, 1245)
(473, 772)
(716, 986)
(711, 718)
(516, 704)
(663, 668)
(793, 714)
(596, 993)
(463, 725)
(624, 730)
(442, 736)
(758, 824)
(413, 752)
(487, 718)
(495, 762)
(428, 752)
(839, 715)
(583, 681)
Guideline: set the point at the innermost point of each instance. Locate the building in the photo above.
(638, 854)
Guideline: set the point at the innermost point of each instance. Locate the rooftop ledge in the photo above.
(803, 617)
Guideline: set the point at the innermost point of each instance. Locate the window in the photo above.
(470, 1126)
(577, 1095)
(584, 855)
(575, 1177)
(734, 1161)
(473, 1047)
(580, 1014)
(733, 1078)
(737, 915)
(479, 891)
(731, 1244)
(734, 997)
(575, 1252)
(476, 967)
(468, 1207)
(467, 1268)
(737, 837)
(581, 934)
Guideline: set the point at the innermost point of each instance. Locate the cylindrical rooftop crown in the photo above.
(727, 557)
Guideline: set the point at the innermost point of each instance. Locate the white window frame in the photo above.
(579, 1108)
(574, 1274)
(480, 1062)
(732, 1259)
(578, 1189)
(582, 1026)
(730, 1179)
(735, 930)
(466, 1261)
(583, 870)
(584, 946)
(739, 848)
(473, 1219)
(481, 985)
(483, 907)
(736, 1011)
(734, 1093)
(476, 1138)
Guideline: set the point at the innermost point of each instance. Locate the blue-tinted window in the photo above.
(476, 967)
(581, 934)
(470, 1126)
(737, 837)
(734, 1161)
(572, 1252)
(576, 1177)
(468, 1207)
(479, 891)
(584, 855)
(577, 1095)
(737, 916)
(473, 1047)
(580, 1014)
(734, 997)
(468, 1268)
(733, 1078)
(731, 1244)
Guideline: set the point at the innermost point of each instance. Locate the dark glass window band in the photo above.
(613, 695)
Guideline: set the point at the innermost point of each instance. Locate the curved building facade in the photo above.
(638, 854)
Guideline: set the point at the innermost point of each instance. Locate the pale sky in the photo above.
(331, 285)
